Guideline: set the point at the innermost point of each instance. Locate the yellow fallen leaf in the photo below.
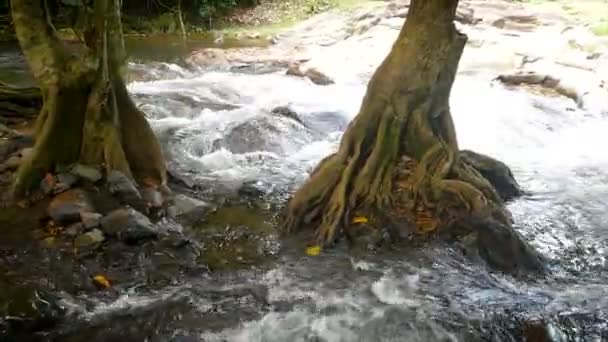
(101, 281)
(360, 219)
(313, 250)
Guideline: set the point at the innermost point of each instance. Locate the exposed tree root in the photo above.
(87, 116)
(399, 157)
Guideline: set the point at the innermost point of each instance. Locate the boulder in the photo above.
(122, 186)
(129, 226)
(67, 206)
(88, 239)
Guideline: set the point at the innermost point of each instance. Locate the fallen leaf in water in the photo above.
(101, 281)
(360, 219)
(313, 250)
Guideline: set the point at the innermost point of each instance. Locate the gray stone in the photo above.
(85, 172)
(68, 179)
(67, 206)
(90, 220)
(189, 210)
(88, 239)
(123, 187)
(129, 226)
(152, 197)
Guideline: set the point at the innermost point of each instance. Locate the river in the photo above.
(218, 132)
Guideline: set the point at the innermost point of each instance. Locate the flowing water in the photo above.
(219, 132)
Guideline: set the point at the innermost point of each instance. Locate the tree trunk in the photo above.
(400, 155)
(87, 115)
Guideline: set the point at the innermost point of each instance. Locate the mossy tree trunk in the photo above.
(404, 120)
(87, 114)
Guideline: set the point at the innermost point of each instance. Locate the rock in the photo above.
(251, 189)
(47, 184)
(504, 249)
(318, 77)
(68, 179)
(64, 181)
(129, 226)
(67, 206)
(74, 229)
(188, 210)
(85, 172)
(288, 113)
(122, 187)
(88, 239)
(294, 70)
(152, 197)
(496, 172)
(466, 15)
(90, 220)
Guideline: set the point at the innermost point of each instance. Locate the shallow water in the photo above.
(219, 132)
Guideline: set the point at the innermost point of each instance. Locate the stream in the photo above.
(219, 133)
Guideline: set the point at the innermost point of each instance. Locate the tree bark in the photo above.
(87, 115)
(400, 155)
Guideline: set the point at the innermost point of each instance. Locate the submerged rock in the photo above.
(67, 206)
(129, 225)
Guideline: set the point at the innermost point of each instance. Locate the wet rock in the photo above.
(85, 172)
(121, 186)
(129, 226)
(294, 70)
(90, 220)
(88, 239)
(288, 113)
(188, 210)
(251, 136)
(503, 248)
(67, 206)
(496, 172)
(251, 189)
(318, 77)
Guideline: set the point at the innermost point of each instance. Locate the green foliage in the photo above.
(318, 6)
(210, 8)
